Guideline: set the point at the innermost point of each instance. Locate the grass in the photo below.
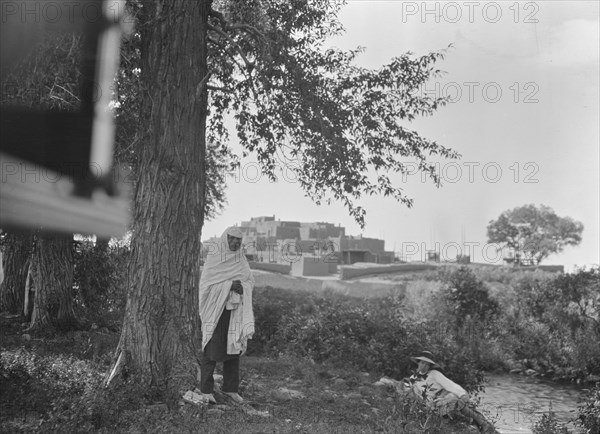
(54, 384)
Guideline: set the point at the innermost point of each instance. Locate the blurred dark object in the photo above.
(56, 165)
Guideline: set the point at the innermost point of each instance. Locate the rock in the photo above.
(530, 372)
(515, 371)
(386, 383)
(513, 364)
(253, 412)
(195, 398)
(26, 337)
(592, 378)
(284, 394)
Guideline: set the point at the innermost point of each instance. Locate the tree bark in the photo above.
(16, 262)
(161, 327)
(52, 277)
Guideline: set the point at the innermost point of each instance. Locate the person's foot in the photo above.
(489, 430)
(235, 397)
(209, 397)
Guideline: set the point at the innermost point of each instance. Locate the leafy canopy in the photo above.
(337, 128)
(534, 231)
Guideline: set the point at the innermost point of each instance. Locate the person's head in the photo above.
(424, 362)
(234, 239)
(234, 243)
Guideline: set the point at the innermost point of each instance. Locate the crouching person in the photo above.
(442, 394)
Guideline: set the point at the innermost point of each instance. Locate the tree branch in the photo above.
(202, 85)
(234, 44)
(253, 31)
(219, 88)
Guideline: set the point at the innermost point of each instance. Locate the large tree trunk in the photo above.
(52, 278)
(16, 261)
(160, 331)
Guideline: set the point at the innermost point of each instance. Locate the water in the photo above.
(516, 402)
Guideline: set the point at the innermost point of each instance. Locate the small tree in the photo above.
(534, 232)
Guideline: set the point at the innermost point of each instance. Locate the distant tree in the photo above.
(534, 232)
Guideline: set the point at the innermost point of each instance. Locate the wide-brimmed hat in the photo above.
(425, 356)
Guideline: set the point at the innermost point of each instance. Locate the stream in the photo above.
(516, 402)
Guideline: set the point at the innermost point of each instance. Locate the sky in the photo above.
(523, 78)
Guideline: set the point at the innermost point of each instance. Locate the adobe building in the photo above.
(267, 239)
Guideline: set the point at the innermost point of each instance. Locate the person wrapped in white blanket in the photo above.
(226, 313)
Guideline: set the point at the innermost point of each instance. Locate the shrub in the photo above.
(557, 322)
(589, 411)
(99, 278)
(467, 298)
(548, 424)
(371, 335)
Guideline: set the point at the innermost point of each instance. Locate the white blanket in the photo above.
(222, 267)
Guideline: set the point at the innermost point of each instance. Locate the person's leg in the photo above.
(485, 426)
(447, 404)
(207, 369)
(231, 375)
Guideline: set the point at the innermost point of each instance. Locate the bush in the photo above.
(557, 323)
(45, 385)
(548, 424)
(589, 411)
(99, 279)
(65, 395)
(467, 298)
(370, 335)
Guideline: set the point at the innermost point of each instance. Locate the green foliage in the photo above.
(99, 277)
(534, 233)
(548, 424)
(556, 322)
(589, 411)
(338, 128)
(370, 335)
(29, 382)
(467, 298)
(47, 76)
